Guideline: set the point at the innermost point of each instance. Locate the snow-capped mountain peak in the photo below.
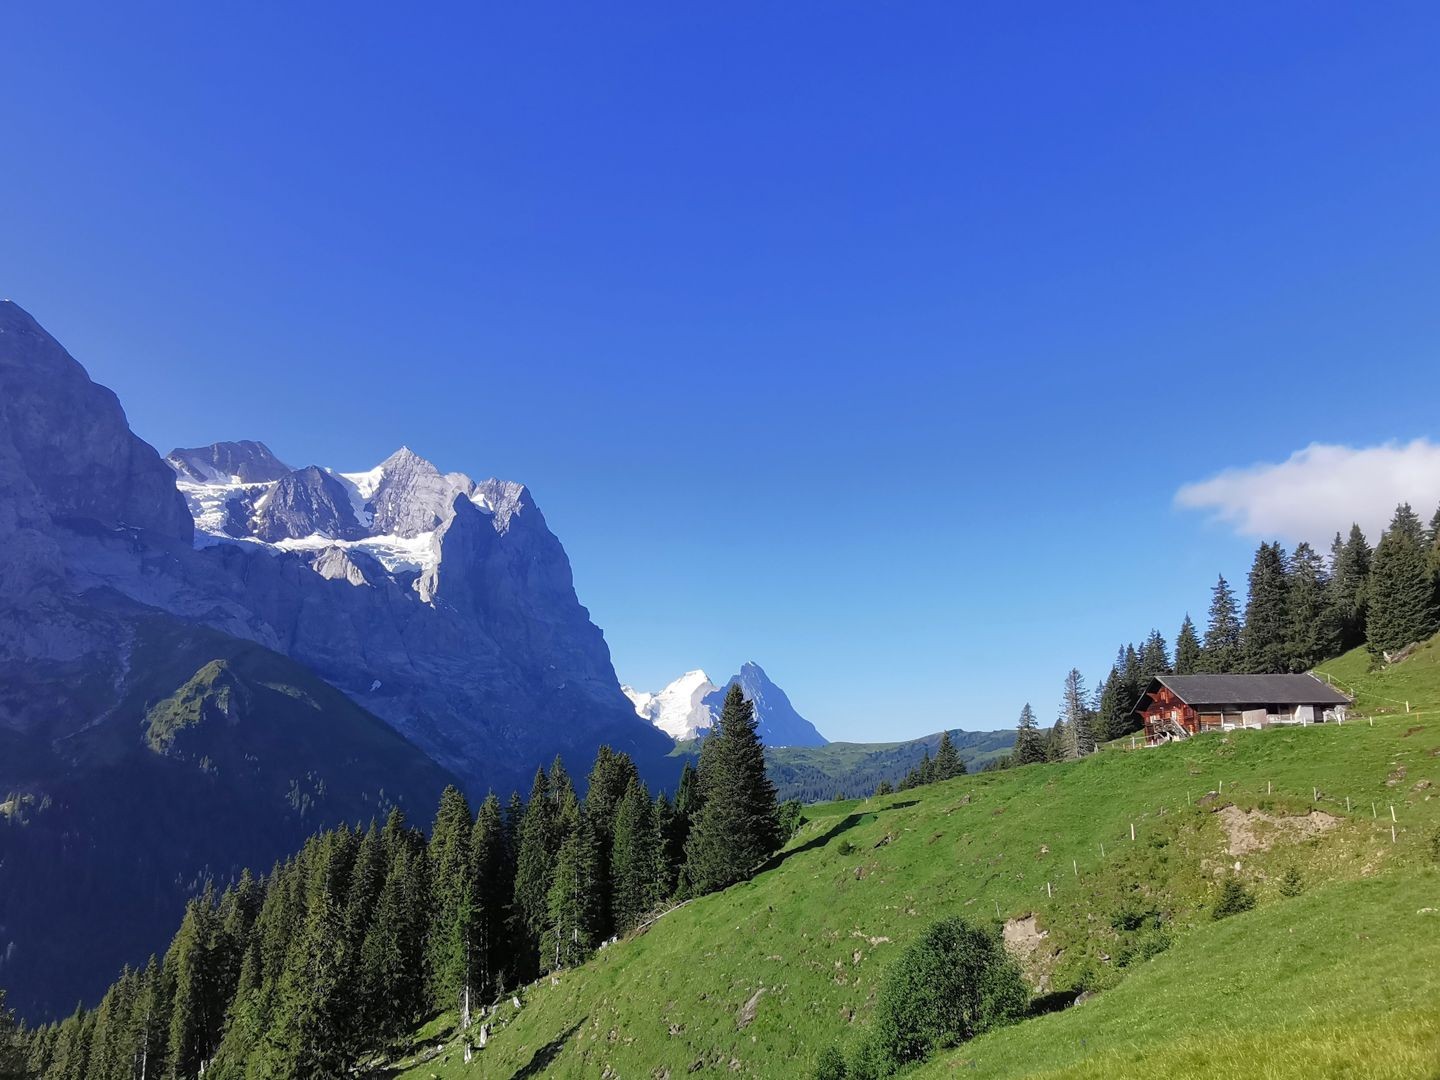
(679, 710)
(690, 705)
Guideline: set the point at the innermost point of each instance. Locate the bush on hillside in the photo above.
(792, 816)
(1233, 900)
(952, 984)
(1291, 883)
(831, 1065)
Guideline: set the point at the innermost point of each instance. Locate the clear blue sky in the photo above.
(869, 341)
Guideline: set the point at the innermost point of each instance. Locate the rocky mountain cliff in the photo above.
(687, 707)
(156, 614)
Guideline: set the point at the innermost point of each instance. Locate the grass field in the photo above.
(1340, 980)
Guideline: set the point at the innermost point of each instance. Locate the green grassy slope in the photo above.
(863, 878)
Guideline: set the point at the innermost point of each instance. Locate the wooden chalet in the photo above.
(1179, 706)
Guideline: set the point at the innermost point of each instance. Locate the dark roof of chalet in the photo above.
(1197, 690)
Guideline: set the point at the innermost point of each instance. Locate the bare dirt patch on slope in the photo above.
(1248, 831)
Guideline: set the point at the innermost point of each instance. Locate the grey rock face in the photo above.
(307, 502)
(413, 497)
(485, 657)
(778, 722)
(249, 461)
(67, 452)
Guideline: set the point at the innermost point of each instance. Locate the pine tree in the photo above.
(1135, 680)
(1187, 649)
(150, 1023)
(1312, 626)
(1220, 654)
(1401, 595)
(637, 860)
(947, 759)
(737, 826)
(572, 907)
(450, 952)
(1029, 743)
(1349, 586)
(494, 885)
(535, 863)
(12, 1049)
(1432, 543)
(195, 1011)
(1112, 712)
(1078, 737)
(608, 781)
(1154, 659)
(1262, 638)
(308, 1038)
(884, 788)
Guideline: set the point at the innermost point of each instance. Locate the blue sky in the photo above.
(871, 342)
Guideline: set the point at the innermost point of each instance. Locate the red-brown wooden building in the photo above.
(1179, 706)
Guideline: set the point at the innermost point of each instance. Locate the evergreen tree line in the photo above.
(337, 954)
(945, 765)
(1300, 610)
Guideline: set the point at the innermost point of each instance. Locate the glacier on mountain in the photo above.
(689, 706)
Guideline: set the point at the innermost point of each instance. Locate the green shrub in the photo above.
(952, 984)
(845, 847)
(1146, 945)
(831, 1065)
(1435, 846)
(791, 815)
(1291, 883)
(1233, 900)
(867, 1062)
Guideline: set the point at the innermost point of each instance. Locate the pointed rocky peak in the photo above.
(410, 496)
(776, 718)
(245, 461)
(306, 502)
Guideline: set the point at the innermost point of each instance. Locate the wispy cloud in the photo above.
(1321, 489)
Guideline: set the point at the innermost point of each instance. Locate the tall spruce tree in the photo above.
(494, 880)
(572, 904)
(637, 860)
(1154, 658)
(1350, 561)
(1263, 636)
(1312, 624)
(1078, 736)
(608, 781)
(1220, 654)
(1401, 595)
(12, 1048)
(1029, 742)
(947, 759)
(737, 826)
(540, 840)
(450, 952)
(196, 1012)
(1187, 648)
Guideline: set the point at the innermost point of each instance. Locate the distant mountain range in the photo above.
(205, 657)
(689, 706)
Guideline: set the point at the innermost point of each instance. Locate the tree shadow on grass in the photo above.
(546, 1055)
(845, 824)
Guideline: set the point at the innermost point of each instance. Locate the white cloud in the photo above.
(1321, 489)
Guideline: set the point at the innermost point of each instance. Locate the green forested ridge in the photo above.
(329, 959)
(200, 756)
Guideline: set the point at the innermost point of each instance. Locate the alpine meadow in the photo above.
(1044, 397)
